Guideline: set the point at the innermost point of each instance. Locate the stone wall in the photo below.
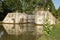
(11, 17)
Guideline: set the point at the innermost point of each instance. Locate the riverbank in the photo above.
(54, 35)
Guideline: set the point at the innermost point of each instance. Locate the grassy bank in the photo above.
(54, 35)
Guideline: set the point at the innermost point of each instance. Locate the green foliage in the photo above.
(27, 6)
(58, 13)
(54, 35)
(12, 5)
(1, 9)
(49, 4)
(46, 26)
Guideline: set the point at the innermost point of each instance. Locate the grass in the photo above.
(54, 35)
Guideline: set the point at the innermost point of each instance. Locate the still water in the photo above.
(6, 35)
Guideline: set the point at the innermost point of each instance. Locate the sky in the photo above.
(56, 3)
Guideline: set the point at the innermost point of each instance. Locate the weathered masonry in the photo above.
(18, 23)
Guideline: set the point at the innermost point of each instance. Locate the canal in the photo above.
(4, 35)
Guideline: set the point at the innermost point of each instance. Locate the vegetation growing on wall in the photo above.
(47, 26)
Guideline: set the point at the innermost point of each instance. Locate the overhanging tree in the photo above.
(58, 13)
(1, 8)
(22, 5)
(28, 5)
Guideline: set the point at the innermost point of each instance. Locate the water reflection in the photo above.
(1, 33)
(17, 32)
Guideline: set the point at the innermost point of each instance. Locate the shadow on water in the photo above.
(5, 36)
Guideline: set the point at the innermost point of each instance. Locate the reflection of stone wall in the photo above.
(16, 30)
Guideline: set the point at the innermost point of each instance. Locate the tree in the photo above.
(12, 5)
(28, 5)
(51, 7)
(1, 9)
(58, 13)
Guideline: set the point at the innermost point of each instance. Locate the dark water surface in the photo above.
(25, 36)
